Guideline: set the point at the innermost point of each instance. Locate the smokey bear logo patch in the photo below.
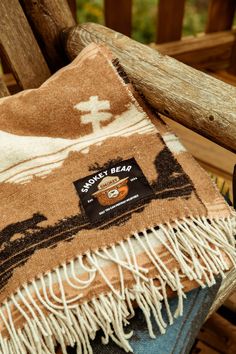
(111, 191)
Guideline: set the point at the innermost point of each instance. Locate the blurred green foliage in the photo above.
(90, 11)
(144, 15)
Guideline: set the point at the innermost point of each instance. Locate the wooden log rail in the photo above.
(47, 19)
(192, 98)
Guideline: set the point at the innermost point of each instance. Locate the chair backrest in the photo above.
(31, 49)
(210, 51)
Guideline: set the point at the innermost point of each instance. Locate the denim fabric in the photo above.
(179, 337)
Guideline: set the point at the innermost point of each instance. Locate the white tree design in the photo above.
(94, 107)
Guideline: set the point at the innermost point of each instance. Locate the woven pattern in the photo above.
(159, 232)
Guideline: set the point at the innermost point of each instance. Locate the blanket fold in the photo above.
(102, 209)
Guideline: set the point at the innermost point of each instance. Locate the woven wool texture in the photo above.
(63, 275)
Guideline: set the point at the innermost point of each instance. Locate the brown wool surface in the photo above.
(86, 119)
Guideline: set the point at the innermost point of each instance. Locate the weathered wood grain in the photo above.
(19, 47)
(170, 20)
(227, 287)
(204, 52)
(220, 15)
(118, 15)
(47, 19)
(3, 89)
(194, 99)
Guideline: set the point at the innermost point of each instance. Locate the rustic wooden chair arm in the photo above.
(192, 98)
(228, 286)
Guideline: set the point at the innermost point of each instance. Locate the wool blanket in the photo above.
(102, 209)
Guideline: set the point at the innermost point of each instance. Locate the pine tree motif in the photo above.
(94, 106)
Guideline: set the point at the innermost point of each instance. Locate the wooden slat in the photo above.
(5, 67)
(19, 46)
(3, 89)
(232, 65)
(118, 15)
(234, 187)
(220, 18)
(225, 330)
(194, 99)
(217, 336)
(73, 8)
(202, 348)
(224, 76)
(230, 303)
(213, 157)
(170, 20)
(220, 15)
(11, 83)
(48, 18)
(204, 52)
(212, 339)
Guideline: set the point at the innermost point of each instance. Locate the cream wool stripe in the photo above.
(43, 168)
(30, 147)
(173, 143)
(71, 322)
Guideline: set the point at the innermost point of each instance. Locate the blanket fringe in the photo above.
(194, 243)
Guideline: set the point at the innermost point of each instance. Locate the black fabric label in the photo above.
(113, 191)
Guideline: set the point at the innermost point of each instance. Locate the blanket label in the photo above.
(113, 191)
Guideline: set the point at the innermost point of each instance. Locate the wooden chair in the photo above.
(39, 37)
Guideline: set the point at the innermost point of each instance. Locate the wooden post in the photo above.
(118, 15)
(234, 187)
(192, 98)
(48, 18)
(220, 15)
(220, 18)
(73, 8)
(170, 20)
(5, 67)
(232, 64)
(3, 89)
(19, 46)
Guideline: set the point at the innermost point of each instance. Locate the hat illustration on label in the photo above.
(111, 190)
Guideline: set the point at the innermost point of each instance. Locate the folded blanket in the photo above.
(102, 209)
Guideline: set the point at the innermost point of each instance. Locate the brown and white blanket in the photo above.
(101, 208)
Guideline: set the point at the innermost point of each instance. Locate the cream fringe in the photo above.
(196, 245)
